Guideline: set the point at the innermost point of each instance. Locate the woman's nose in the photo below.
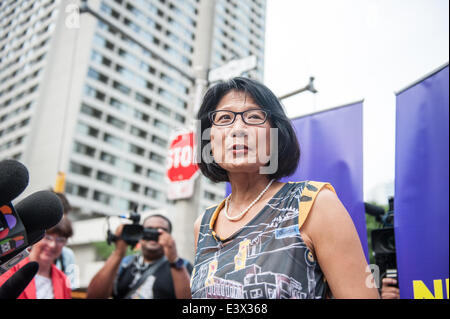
(239, 128)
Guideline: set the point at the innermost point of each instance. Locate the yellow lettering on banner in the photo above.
(241, 257)
(421, 291)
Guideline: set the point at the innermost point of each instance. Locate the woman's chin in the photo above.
(241, 165)
(46, 257)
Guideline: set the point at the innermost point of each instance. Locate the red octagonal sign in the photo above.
(181, 165)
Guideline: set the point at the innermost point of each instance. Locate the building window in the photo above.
(84, 149)
(89, 110)
(157, 158)
(105, 177)
(136, 150)
(115, 141)
(80, 169)
(122, 88)
(138, 132)
(159, 141)
(93, 74)
(87, 130)
(115, 122)
(77, 190)
(108, 158)
(102, 197)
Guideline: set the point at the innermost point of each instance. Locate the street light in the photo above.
(310, 87)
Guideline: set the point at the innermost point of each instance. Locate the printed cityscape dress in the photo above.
(267, 258)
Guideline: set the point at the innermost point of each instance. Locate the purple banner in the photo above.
(421, 206)
(331, 144)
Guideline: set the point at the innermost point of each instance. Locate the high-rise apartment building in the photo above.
(98, 96)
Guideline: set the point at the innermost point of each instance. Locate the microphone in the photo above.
(13, 180)
(38, 212)
(14, 286)
(22, 227)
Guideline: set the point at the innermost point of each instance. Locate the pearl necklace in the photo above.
(237, 217)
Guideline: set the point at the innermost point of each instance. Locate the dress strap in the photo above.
(308, 196)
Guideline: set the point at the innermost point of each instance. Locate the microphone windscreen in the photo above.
(35, 236)
(39, 211)
(13, 287)
(13, 180)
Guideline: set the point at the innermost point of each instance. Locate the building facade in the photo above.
(98, 96)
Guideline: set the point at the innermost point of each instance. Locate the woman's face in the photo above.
(240, 147)
(49, 248)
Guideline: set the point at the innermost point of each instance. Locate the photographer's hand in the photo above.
(168, 243)
(101, 285)
(388, 291)
(180, 277)
(121, 245)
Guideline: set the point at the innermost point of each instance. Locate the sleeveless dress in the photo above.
(265, 259)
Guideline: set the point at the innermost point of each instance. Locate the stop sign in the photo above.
(181, 165)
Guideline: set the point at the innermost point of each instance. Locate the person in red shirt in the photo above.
(49, 282)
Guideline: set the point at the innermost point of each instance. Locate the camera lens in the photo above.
(150, 234)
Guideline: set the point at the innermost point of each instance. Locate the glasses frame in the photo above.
(212, 113)
(55, 239)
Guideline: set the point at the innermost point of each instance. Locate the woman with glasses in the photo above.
(49, 282)
(268, 239)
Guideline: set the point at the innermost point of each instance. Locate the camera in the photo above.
(133, 232)
(383, 240)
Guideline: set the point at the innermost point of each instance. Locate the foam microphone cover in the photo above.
(35, 236)
(13, 180)
(39, 211)
(13, 287)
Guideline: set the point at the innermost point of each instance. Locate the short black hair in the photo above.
(288, 147)
(160, 216)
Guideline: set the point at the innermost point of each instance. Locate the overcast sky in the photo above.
(355, 49)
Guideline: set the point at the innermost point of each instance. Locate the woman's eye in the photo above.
(223, 117)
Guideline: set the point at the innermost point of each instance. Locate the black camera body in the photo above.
(132, 233)
(383, 240)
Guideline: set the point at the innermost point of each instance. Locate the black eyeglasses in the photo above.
(250, 117)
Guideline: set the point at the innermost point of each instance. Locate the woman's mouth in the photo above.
(239, 149)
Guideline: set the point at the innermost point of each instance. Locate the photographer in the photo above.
(155, 273)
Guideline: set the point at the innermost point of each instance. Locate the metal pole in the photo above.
(309, 87)
(185, 211)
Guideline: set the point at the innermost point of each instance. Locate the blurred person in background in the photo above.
(66, 261)
(50, 282)
(157, 272)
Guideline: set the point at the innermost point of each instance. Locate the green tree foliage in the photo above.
(103, 250)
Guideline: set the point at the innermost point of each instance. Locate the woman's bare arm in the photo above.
(338, 249)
